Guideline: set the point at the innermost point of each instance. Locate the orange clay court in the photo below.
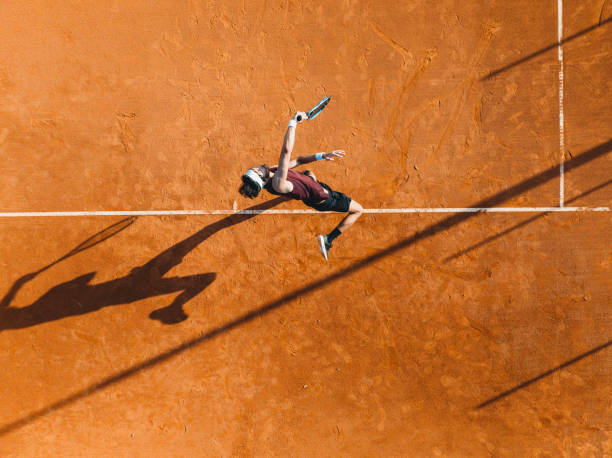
(468, 312)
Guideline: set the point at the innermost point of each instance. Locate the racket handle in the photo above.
(299, 118)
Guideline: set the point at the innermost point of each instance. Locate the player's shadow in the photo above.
(92, 241)
(78, 296)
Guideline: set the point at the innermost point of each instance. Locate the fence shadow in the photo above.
(521, 224)
(545, 50)
(436, 228)
(542, 375)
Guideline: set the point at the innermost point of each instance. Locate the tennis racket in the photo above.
(314, 112)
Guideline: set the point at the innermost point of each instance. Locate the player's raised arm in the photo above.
(279, 181)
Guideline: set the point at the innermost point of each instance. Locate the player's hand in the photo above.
(338, 153)
(300, 116)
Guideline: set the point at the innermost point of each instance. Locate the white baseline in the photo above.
(561, 116)
(299, 212)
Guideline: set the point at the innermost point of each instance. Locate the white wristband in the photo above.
(319, 156)
(292, 123)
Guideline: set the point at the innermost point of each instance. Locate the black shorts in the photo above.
(336, 202)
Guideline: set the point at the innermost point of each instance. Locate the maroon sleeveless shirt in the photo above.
(304, 188)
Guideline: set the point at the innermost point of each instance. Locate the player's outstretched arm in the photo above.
(279, 181)
(333, 155)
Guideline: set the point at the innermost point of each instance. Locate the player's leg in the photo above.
(355, 210)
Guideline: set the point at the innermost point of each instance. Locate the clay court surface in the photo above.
(433, 330)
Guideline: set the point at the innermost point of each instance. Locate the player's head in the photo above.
(253, 180)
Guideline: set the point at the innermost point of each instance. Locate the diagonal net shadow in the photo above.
(78, 296)
(521, 224)
(436, 228)
(545, 50)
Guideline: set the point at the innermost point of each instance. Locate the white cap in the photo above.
(255, 177)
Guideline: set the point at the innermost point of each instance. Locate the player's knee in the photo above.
(355, 208)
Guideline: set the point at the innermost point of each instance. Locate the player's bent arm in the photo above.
(302, 160)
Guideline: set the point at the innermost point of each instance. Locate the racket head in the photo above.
(314, 112)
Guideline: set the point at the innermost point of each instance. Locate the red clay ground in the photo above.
(451, 334)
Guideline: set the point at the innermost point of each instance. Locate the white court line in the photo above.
(300, 212)
(561, 117)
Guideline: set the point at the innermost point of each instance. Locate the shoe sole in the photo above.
(321, 239)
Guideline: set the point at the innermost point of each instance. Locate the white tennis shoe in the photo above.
(324, 245)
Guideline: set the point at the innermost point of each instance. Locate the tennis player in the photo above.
(282, 180)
